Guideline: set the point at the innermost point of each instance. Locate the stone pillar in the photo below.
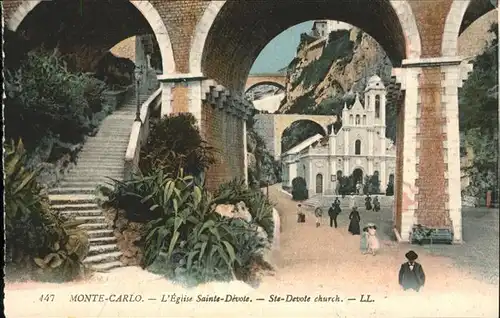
(452, 78)
(370, 142)
(346, 142)
(185, 92)
(346, 171)
(245, 153)
(405, 188)
(383, 101)
(370, 166)
(334, 166)
(166, 99)
(383, 175)
(430, 187)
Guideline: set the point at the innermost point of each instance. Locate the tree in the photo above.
(478, 105)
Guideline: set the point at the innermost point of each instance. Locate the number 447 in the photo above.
(47, 297)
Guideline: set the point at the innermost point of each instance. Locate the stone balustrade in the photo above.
(139, 134)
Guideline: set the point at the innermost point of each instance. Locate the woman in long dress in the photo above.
(373, 242)
(355, 219)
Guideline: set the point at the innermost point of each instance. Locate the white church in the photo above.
(359, 148)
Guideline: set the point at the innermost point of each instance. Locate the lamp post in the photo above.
(138, 76)
(267, 188)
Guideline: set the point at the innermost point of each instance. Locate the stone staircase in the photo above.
(101, 156)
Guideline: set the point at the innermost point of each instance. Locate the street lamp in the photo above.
(138, 72)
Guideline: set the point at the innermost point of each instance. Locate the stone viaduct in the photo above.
(253, 80)
(271, 127)
(208, 48)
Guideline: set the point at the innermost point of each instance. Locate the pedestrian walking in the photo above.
(411, 273)
(368, 203)
(318, 213)
(376, 204)
(354, 223)
(333, 212)
(301, 216)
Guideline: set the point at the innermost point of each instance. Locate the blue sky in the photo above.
(281, 50)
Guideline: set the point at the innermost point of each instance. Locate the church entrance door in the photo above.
(319, 183)
(357, 176)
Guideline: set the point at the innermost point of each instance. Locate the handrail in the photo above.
(139, 134)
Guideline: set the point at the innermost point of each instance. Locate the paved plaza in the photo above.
(315, 262)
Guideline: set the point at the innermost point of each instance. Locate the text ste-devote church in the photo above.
(359, 147)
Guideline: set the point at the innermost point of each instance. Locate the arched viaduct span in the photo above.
(275, 79)
(271, 127)
(208, 48)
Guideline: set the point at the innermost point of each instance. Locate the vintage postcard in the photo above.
(194, 158)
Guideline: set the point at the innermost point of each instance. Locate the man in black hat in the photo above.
(411, 274)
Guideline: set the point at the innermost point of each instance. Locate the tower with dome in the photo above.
(359, 148)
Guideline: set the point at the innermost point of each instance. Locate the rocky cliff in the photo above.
(328, 72)
(334, 68)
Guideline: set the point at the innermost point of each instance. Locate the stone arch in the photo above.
(401, 7)
(453, 26)
(275, 84)
(147, 10)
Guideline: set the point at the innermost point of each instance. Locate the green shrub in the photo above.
(185, 239)
(371, 184)
(54, 101)
(165, 150)
(34, 235)
(299, 189)
(389, 191)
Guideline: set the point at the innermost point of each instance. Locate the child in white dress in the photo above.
(373, 242)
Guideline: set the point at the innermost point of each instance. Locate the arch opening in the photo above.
(228, 59)
(300, 131)
(357, 176)
(85, 29)
(319, 183)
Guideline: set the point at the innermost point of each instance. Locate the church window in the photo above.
(364, 119)
(351, 119)
(377, 106)
(358, 120)
(368, 101)
(357, 147)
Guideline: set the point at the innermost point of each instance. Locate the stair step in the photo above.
(102, 249)
(59, 199)
(95, 179)
(102, 240)
(106, 266)
(102, 258)
(100, 233)
(72, 190)
(82, 213)
(92, 219)
(75, 207)
(93, 226)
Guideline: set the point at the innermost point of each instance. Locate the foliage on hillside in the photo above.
(262, 167)
(478, 105)
(166, 151)
(40, 245)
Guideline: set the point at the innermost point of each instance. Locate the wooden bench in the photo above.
(431, 236)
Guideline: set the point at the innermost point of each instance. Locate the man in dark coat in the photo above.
(411, 274)
(368, 202)
(333, 213)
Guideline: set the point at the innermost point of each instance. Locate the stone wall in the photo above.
(223, 131)
(264, 127)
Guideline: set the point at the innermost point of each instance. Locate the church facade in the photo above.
(359, 148)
